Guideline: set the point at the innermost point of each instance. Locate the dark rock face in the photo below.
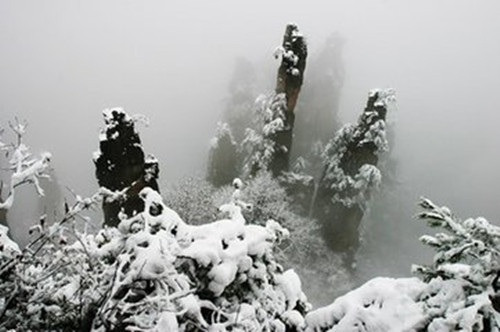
(3, 216)
(3, 212)
(293, 64)
(289, 81)
(120, 163)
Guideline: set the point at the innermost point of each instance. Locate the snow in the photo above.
(380, 305)
(385, 96)
(9, 201)
(7, 246)
(26, 169)
(259, 145)
(290, 285)
(167, 322)
(237, 184)
(96, 155)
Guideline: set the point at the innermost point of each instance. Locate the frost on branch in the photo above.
(467, 253)
(350, 173)
(25, 167)
(258, 146)
(121, 165)
(151, 273)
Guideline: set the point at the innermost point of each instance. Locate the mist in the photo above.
(63, 62)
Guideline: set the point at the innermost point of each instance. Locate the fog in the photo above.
(63, 62)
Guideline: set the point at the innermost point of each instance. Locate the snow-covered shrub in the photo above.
(152, 272)
(51, 283)
(194, 199)
(304, 250)
(263, 197)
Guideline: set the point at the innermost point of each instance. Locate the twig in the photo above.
(9, 300)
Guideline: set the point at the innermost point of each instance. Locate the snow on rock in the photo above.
(385, 96)
(351, 180)
(382, 304)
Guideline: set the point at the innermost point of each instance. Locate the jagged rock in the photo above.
(289, 81)
(350, 174)
(121, 164)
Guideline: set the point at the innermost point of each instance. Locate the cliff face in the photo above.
(223, 158)
(121, 165)
(350, 174)
(289, 82)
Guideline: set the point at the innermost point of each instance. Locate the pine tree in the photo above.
(467, 260)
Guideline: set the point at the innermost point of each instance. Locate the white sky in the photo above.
(62, 62)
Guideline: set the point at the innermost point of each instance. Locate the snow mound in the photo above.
(382, 304)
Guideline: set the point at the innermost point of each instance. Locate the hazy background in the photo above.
(62, 62)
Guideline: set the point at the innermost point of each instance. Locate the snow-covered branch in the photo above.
(24, 166)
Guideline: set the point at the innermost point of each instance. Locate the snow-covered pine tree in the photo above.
(121, 166)
(223, 164)
(350, 173)
(467, 255)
